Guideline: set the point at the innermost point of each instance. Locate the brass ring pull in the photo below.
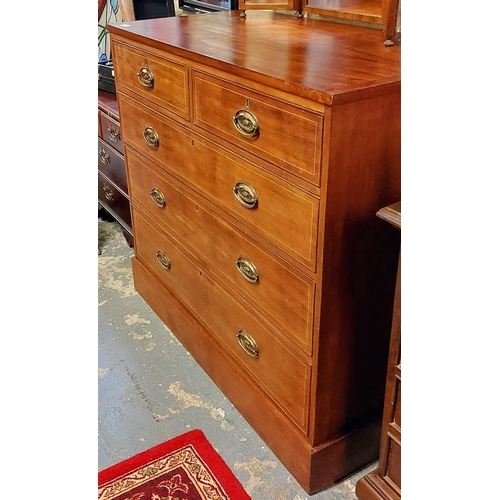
(104, 156)
(158, 197)
(246, 123)
(108, 192)
(151, 137)
(247, 269)
(146, 77)
(114, 135)
(163, 259)
(245, 194)
(247, 343)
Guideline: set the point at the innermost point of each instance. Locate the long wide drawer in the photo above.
(262, 203)
(279, 132)
(284, 376)
(153, 77)
(112, 165)
(282, 294)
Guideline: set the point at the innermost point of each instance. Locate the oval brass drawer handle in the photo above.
(247, 269)
(151, 137)
(108, 192)
(104, 156)
(158, 197)
(246, 123)
(146, 77)
(163, 259)
(247, 343)
(114, 135)
(245, 194)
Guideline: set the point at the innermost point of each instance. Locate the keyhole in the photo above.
(247, 102)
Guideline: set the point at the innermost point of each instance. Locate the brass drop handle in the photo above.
(158, 197)
(163, 259)
(104, 156)
(247, 343)
(245, 194)
(114, 135)
(247, 269)
(146, 77)
(246, 123)
(151, 137)
(108, 192)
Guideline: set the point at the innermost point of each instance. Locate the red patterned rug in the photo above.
(184, 468)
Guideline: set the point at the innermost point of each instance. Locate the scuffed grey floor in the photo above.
(151, 389)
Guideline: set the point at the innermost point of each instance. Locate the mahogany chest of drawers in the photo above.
(112, 184)
(258, 151)
(384, 483)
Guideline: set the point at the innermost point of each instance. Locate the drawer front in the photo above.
(284, 134)
(112, 165)
(285, 296)
(114, 200)
(153, 77)
(111, 132)
(279, 372)
(394, 463)
(282, 214)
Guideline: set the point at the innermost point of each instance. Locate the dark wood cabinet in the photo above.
(385, 482)
(112, 174)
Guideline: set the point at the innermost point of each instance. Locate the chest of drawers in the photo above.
(258, 151)
(112, 175)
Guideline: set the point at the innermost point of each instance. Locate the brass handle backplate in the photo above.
(246, 123)
(151, 137)
(114, 135)
(104, 156)
(163, 259)
(247, 343)
(158, 197)
(245, 194)
(108, 192)
(146, 77)
(247, 269)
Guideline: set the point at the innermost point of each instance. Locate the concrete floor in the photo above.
(151, 389)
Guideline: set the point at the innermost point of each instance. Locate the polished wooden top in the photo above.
(391, 214)
(319, 60)
(108, 103)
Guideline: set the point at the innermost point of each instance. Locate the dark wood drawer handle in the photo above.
(163, 260)
(247, 343)
(104, 156)
(245, 194)
(247, 269)
(158, 197)
(108, 192)
(146, 77)
(151, 137)
(114, 135)
(246, 123)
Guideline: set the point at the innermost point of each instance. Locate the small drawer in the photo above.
(114, 200)
(394, 462)
(263, 204)
(162, 80)
(112, 165)
(283, 375)
(279, 292)
(111, 132)
(279, 132)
